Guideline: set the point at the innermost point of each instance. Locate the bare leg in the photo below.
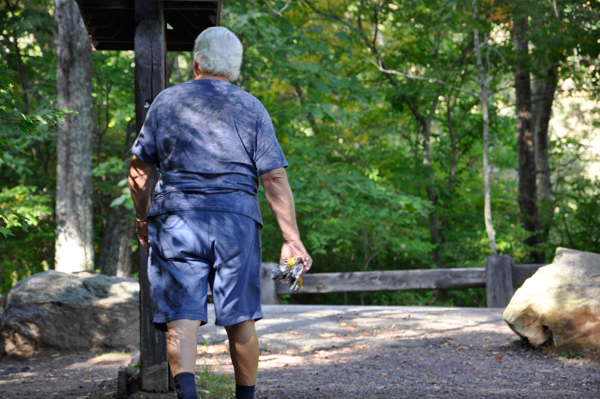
(181, 345)
(243, 347)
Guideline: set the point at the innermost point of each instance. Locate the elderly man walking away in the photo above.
(211, 142)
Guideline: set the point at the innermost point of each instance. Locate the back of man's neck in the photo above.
(214, 77)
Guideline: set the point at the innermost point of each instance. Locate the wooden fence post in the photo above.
(499, 280)
(150, 79)
(268, 295)
(122, 383)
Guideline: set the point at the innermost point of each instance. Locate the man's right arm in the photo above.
(281, 200)
(140, 187)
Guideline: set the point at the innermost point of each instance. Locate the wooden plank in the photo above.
(499, 284)
(520, 273)
(393, 280)
(150, 79)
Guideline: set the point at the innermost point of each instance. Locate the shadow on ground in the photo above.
(349, 352)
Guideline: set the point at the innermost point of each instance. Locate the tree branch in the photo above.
(381, 68)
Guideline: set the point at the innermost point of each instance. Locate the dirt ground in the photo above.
(350, 352)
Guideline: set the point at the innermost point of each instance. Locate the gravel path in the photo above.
(350, 352)
(404, 352)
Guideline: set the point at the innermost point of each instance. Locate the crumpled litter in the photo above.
(289, 272)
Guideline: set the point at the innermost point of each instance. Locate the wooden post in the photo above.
(150, 79)
(499, 280)
(268, 295)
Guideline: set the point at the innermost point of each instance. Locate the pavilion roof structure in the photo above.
(111, 23)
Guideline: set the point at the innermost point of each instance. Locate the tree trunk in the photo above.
(74, 205)
(432, 195)
(544, 90)
(483, 99)
(115, 257)
(528, 212)
(453, 148)
(108, 257)
(127, 258)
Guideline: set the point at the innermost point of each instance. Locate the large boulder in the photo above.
(560, 304)
(54, 310)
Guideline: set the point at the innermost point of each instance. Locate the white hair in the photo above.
(218, 52)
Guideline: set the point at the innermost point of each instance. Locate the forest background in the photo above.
(379, 108)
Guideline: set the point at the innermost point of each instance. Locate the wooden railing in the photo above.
(499, 277)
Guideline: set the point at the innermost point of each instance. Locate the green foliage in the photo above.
(472, 297)
(361, 166)
(110, 183)
(566, 355)
(29, 249)
(26, 253)
(29, 206)
(469, 297)
(355, 148)
(17, 131)
(579, 215)
(215, 385)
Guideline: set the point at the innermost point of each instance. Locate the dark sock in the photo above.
(185, 383)
(244, 392)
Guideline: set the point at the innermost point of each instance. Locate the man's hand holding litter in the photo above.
(295, 249)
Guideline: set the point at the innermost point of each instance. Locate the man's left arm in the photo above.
(140, 187)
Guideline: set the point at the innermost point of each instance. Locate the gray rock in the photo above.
(60, 311)
(560, 303)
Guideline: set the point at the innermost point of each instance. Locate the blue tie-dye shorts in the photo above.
(192, 249)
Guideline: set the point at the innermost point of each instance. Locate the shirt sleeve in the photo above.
(268, 154)
(144, 146)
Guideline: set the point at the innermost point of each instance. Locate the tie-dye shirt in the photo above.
(210, 141)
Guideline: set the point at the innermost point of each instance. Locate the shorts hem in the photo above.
(165, 318)
(235, 320)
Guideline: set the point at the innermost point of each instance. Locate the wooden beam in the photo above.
(106, 4)
(150, 79)
(393, 280)
(180, 23)
(121, 23)
(192, 21)
(106, 19)
(189, 5)
(93, 5)
(100, 46)
(400, 280)
(110, 23)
